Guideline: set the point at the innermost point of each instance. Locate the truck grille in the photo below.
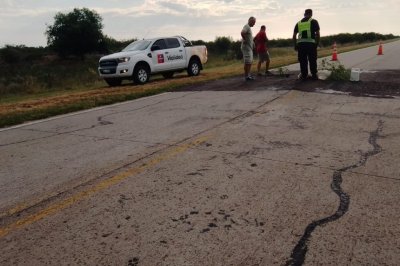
(108, 66)
(108, 63)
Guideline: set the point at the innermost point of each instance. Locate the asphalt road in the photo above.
(241, 177)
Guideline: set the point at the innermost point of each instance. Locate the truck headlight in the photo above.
(123, 59)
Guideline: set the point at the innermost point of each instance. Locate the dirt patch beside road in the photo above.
(381, 84)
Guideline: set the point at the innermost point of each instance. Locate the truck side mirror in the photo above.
(155, 48)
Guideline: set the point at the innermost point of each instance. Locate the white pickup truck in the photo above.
(143, 58)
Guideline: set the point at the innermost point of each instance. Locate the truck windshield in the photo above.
(137, 46)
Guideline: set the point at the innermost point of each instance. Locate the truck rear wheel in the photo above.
(141, 74)
(112, 82)
(194, 67)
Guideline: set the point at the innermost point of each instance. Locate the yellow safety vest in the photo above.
(305, 27)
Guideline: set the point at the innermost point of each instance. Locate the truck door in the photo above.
(176, 53)
(159, 54)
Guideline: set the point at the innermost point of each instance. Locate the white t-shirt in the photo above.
(247, 42)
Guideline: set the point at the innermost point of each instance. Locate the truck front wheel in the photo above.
(194, 67)
(141, 74)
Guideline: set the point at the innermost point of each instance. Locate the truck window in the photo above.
(186, 42)
(137, 46)
(160, 43)
(172, 43)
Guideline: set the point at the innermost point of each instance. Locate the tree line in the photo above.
(79, 33)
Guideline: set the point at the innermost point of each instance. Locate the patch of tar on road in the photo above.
(103, 122)
(294, 124)
(283, 144)
(300, 250)
(122, 200)
(207, 221)
(133, 262)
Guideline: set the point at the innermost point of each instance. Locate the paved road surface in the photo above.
(240, 177)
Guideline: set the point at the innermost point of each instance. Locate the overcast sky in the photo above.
(24, 21)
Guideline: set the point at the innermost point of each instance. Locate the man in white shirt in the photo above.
(247, 47)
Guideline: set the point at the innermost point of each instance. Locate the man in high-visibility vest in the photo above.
(306, 44)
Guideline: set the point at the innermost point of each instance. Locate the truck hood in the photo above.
(121, 54)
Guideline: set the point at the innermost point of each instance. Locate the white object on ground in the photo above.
(355, 74)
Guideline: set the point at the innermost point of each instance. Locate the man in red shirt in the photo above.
(262, 50)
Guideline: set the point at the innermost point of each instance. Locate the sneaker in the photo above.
(248, 78)
(314, 77)
(301, 77)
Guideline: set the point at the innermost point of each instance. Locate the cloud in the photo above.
(176, 8)
(191, 8)
(23, 21)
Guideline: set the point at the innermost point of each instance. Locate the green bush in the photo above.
(338, 71)
(10, 55)
(48, 75)
(111, 45)
(21, 54)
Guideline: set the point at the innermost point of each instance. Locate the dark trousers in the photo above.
(307, 52)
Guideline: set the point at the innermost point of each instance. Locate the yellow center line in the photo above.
(97, 188)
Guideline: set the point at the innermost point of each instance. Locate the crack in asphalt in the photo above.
(366, 114)
(300, 250)
(289, 162)
(29, 140)
(103, 122)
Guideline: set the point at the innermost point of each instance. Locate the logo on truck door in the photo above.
(160, 58)
(174, 57)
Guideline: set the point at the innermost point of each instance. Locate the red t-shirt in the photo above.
(260, 40)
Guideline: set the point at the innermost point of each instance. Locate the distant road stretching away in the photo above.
(366, 58)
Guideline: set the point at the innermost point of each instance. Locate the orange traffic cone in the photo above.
(380, 49)
(334, 54)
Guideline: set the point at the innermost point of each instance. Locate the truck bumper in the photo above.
(115, 71)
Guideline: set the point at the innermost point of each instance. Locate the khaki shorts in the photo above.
(247, 56)
(263, 57)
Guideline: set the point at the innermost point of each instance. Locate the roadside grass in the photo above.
(37, 91)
